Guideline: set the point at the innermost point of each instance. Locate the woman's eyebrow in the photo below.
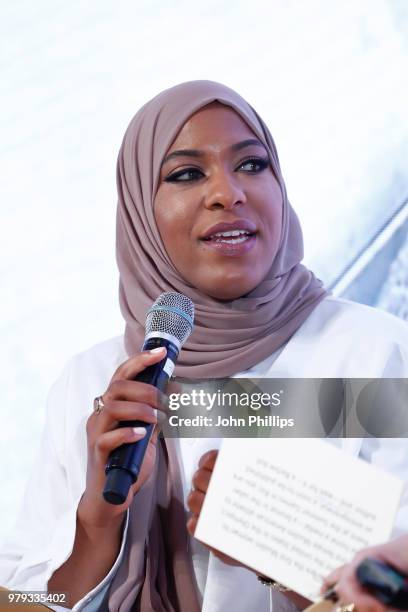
(197, 153)
(247, 143)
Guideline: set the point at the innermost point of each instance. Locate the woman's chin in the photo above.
(228, 291)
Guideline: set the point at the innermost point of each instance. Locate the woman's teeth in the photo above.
(242, 236)
(234, 241)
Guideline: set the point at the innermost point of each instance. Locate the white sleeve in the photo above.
(44, 532)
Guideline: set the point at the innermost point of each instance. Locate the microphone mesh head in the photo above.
(172, 313)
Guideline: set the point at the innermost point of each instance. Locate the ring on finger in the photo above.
(98, 404)
(331, 594)
(351, 607)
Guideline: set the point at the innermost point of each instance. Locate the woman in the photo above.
(196, 162)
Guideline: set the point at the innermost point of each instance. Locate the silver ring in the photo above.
(98, 404)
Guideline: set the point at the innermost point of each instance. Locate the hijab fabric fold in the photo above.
(156, 573)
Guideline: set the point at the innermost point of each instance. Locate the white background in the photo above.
(328, 77)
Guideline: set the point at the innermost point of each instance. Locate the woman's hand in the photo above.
(125, 399)
(348, 588)
(195, 500)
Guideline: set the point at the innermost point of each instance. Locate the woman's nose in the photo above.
(224, 191)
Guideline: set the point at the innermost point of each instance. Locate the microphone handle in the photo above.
(124, 463)
(385, 583)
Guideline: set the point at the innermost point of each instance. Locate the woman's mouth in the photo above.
(233, 243)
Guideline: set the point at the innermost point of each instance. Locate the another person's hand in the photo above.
(348, 588)
(125, 399)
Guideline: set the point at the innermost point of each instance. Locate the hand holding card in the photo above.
(294, 509)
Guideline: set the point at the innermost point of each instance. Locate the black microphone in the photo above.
(385, 583)
(169, 323)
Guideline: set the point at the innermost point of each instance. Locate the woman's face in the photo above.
(211, 176)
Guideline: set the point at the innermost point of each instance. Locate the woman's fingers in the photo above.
(196, 497)
(195, 501)
(117, 411)
(110, 440)
(127, 400)
(208, 460)
(137, 363)
(124, 400)
(136, 391)
(192, 524)
(201, 479)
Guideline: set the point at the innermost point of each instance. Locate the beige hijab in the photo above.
(228, 337)
(156, 573)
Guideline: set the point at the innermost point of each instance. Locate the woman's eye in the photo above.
(183, 175)
(254, 165)
(259, 162)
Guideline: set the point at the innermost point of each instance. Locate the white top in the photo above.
(339, 339)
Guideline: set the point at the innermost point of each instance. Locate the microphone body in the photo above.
(124, 463)
(169, 326)
(384, 582)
